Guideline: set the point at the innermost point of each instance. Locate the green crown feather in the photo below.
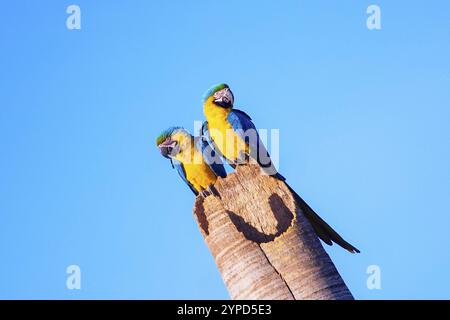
(166, 134)
(213, 90)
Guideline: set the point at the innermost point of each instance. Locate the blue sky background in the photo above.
(364, 127)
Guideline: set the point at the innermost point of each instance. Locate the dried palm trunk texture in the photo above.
(263, 245)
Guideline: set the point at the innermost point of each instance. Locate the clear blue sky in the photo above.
(364, 127)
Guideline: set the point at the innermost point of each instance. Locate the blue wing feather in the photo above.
(211, 158)
(179, 167)
(206, 137)
(241, 122)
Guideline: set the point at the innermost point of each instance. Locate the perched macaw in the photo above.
(193, 158)
(226, 130)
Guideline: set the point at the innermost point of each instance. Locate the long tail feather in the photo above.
(322, 229)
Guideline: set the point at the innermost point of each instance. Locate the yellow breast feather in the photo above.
(198, 173)
(229, 143)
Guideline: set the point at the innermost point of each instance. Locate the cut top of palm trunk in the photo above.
(262, 243)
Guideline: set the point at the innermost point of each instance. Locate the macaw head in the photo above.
(220, 95)
(172, 141)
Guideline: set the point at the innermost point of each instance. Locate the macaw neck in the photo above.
(213, 112)
(188, 152)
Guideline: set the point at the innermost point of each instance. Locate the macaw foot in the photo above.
(212, 190)
(233, 165)
(205, 193)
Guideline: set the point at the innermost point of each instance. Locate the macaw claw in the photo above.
(204, 194)
(209, 191)
(212, 190)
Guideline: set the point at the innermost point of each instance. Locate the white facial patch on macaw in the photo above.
(225, 95)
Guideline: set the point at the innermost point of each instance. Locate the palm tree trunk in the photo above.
(263, 245)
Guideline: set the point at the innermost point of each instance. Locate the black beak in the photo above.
(224, 103)
(166, 148)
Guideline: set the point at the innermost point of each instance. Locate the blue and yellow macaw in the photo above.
(193, 158)
(232, 133)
